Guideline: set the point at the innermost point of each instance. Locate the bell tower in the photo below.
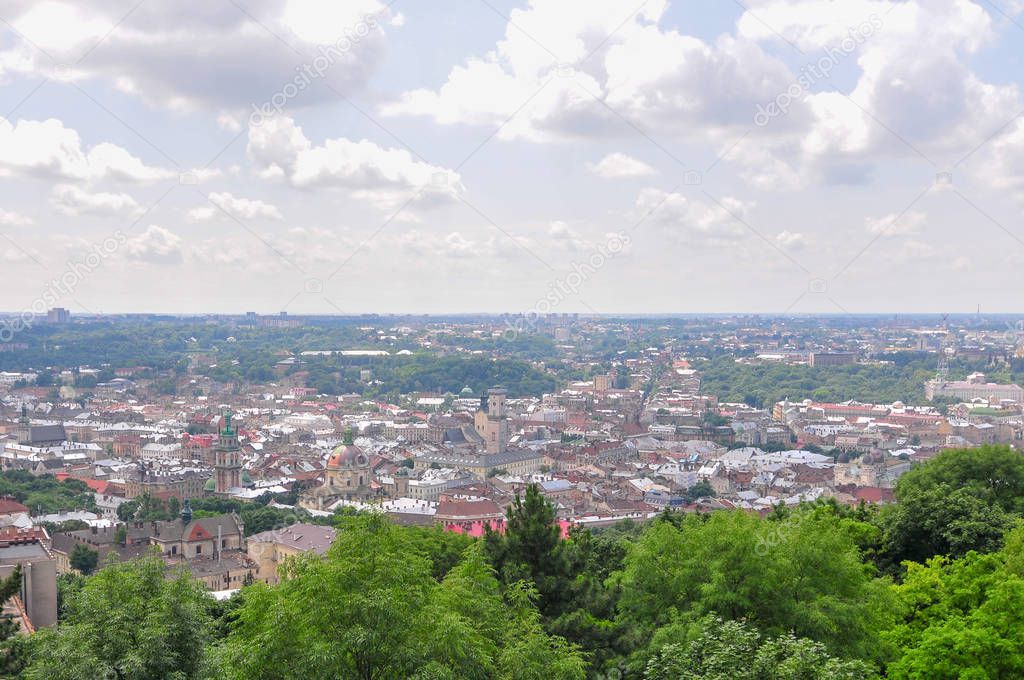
(227, 457)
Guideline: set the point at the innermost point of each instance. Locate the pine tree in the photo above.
(532, 549)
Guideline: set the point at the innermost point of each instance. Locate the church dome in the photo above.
(347, 456)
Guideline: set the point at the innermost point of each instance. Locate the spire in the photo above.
(186, 513)
(227, 422)
(349, 438)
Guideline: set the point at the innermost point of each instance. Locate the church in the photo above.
(348, 476)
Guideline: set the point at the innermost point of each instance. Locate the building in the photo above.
(831, 359)
(975, 387)
(347, 476)
(209, 536)
(58, 315)
(512, 461)
(180, 484)
(227, 459)
(468, 514)
(29, 548)
(39, 436)
(104, 540)
(212, 549)
(269, 549)
(492, 424)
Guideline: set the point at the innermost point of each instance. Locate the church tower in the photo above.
(24, 427)
(492, 424)
(228, 458)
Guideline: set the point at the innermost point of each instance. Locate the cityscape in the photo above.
(511, 340)
(224, 447)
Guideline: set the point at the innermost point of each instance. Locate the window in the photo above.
(199, 550)
(223, 542)
(174, 550)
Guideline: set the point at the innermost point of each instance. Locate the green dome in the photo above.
(467, 392)
(211, 485)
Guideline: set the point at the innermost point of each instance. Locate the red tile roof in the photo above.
(198, 533)
(9, 506)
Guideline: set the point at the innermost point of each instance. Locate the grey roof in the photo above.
(454, 435)
(22, 552)
(46, 433)
(301, 536)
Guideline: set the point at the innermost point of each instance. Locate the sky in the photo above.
(540, 156)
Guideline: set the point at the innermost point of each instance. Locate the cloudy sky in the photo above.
(512, 156)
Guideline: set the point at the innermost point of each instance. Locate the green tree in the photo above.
(532, 549)
(84, 559)
(12, 647)
(131, 622)
(370, 608)
(992, 473)
(962, 618)
(939, 520)
(803, 574)
(733, 650)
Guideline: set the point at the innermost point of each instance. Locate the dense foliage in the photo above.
(166, 351)
(44, 494)
(428, 372)
(764, 384)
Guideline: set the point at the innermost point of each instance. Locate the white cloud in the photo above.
(156, 245)
(915, 92)
(71, 200)
(656, 78)
(708, 223)
(563, 235)
(385, 177)
(453, 245)
(228, 123)
(49, 150)
(239, 208)
(9, 218)
(912, 251)
(895, 224)
(791, 239)
(1001, 161)
(616, 165)
(194, 53)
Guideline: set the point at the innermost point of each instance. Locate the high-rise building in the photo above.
(58, 315)
(227, 458)
(831, 359)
